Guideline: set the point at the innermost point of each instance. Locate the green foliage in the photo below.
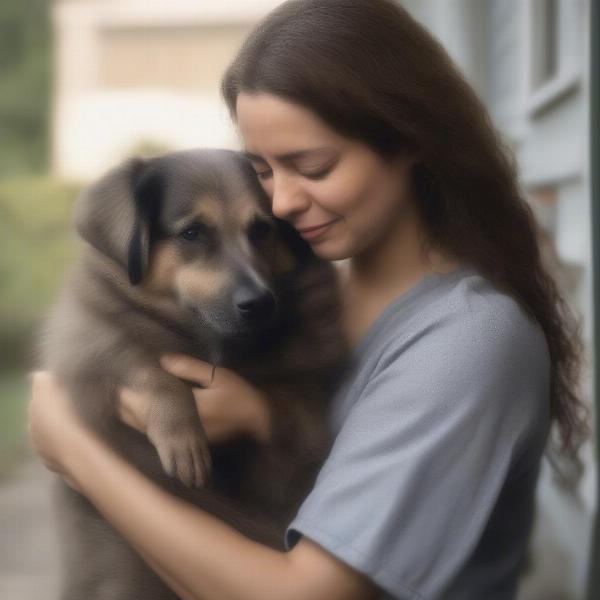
(36, 242)
(13, 410)
(147, 148)
(36, 245)
(25, 67)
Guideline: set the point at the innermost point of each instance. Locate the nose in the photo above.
(288, 198)
(252, 302)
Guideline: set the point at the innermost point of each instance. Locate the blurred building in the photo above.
(141, 74)
(528, 60)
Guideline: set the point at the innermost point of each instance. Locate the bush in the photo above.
(25, 64)
(36, 245)
(14, 392)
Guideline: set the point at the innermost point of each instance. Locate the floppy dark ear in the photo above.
(116, 215)
(148, 190)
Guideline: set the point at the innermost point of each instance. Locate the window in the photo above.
(545, 41)
(556, 52)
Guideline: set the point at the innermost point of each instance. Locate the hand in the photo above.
(228, 407)
(52, 423)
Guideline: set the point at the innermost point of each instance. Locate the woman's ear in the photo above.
(116, 215)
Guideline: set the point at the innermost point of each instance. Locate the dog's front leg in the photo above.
(173, 425)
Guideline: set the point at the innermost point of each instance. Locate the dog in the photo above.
(182, 254)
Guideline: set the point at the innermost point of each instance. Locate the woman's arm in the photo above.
(197, 554)
(227, 404)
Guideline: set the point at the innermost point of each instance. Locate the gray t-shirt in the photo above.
(440, 425)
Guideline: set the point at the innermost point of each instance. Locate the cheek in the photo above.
(364, 196)
(344, 194)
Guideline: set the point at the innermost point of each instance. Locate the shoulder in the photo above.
(475, 320)
(472, 348)
(494, 326)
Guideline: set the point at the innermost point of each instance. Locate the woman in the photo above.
(368, 141)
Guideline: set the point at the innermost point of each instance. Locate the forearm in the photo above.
(200, 556)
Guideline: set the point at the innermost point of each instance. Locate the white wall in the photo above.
(95, 125)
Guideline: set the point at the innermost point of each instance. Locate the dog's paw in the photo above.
(184, 455)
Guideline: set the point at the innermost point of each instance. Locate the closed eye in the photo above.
(319, 174)
(266, 174)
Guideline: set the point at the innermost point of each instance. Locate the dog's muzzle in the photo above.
(254, 303)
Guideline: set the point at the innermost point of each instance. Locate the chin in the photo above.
(330, 252)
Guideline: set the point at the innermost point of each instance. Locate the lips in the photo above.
(315, 233)
(309, 229)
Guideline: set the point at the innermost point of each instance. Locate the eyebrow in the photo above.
(288, 155)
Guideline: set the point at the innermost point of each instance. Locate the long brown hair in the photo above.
(373, 73)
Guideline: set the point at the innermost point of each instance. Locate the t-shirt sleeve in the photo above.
(422, 455)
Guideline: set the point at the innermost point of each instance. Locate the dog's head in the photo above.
(195, 225)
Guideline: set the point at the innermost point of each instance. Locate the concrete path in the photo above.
(28, 545)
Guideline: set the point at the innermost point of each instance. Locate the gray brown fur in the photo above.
(140, 290)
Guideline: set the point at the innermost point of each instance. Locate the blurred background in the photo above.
(85, 83)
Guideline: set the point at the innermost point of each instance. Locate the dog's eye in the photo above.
(259, 231)
(193, 232)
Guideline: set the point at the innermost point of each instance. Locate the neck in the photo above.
(398, 260)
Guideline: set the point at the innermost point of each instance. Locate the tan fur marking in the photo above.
(164, 264)
(246, 212)
(199, 281)
(209, 210)
(206, 209)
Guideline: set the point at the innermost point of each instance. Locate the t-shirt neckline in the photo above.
(427, 281)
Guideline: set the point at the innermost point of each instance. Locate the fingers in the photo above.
(189, 368)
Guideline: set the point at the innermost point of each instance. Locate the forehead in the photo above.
(274, 125)
(214, 191)
(215, 210)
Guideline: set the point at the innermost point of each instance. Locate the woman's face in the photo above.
(315, 176)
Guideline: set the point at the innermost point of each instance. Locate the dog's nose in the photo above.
(253, 302)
